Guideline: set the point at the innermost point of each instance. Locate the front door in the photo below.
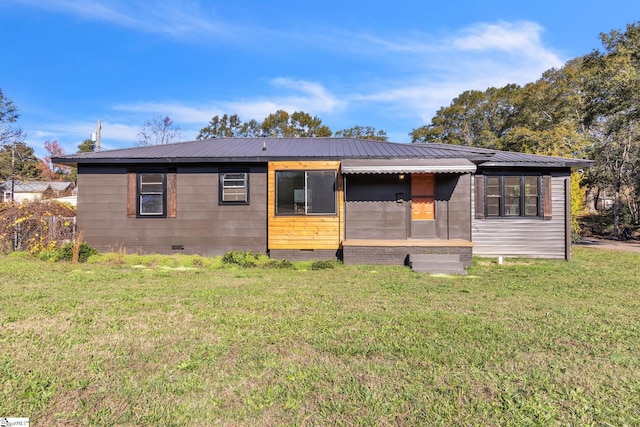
(423, 205)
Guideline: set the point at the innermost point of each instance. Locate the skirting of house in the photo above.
(396, 252)
(305, 254)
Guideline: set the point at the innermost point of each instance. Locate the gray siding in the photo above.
(535, 238)
(201, 226)
(371, 209)
(453, 218)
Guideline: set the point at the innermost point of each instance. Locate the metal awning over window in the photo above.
(382, 166)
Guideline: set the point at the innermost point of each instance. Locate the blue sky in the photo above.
(68, 63)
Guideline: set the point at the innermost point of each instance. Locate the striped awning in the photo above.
(382, 166)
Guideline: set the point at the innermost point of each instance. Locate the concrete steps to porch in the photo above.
(437, 263)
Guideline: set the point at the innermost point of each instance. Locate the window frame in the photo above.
(503, 196)
(140, 193)
(221, 188)
(305, 210)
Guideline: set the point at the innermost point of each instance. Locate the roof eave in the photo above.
(559, 165)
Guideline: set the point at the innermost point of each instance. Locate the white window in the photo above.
(152, 191)
(234, 188)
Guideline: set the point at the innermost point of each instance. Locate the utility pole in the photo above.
(95, 136)
(99, 129)
(13, 170)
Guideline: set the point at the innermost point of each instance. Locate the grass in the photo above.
(187, 341)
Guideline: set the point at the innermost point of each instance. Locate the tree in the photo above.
(279, 124)
(18, 162)
(549, 113)
(159, 131)
(229, 127)
(9, 134)
(474, 118)
(363, 132)
(87, 146)
(299, 124)
(50, 171)
(613, 116)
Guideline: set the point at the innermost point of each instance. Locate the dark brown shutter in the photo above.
(132, 188)
(547, 209)
(172, 197)
(479, 196)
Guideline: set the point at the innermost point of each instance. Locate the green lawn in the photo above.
(185, 341)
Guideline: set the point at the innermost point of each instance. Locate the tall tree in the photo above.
(613, 115)
(9, 133)
(299, 124)
(87, 146)
(229, 127)
(18, 162)
(279, 124)
(363, 132)
(159, 130)
(474, 118)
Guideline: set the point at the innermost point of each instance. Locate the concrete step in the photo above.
(434, 257)
(437, 264)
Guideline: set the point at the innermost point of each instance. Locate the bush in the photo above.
(65, 253)
(279, 264)
(243, 259)
(322, 265)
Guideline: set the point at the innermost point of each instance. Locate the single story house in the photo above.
(358, 200)
(19, 191)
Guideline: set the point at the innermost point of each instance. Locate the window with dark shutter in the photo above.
(511, 196)
(479, 196)
(547, 199)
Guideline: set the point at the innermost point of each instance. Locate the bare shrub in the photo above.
(35, 225)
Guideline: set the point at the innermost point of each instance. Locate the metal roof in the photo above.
(380, 166)
(270, 149)
(265, 149)
(35, 186)
(511, 158)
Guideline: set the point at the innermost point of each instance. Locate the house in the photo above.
(18, 191)
(361, 201)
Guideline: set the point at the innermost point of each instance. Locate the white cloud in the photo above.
(433, 72)
(296, 95)
(519, 39)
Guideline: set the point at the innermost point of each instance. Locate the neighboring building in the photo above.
(362, 201)
(34, 190)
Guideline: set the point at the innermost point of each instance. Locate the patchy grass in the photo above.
(180, 341)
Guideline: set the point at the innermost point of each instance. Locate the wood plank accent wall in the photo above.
(304, 231)
(172, 198)
(547, 198)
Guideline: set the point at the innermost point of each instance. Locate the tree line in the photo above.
(281, 124)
